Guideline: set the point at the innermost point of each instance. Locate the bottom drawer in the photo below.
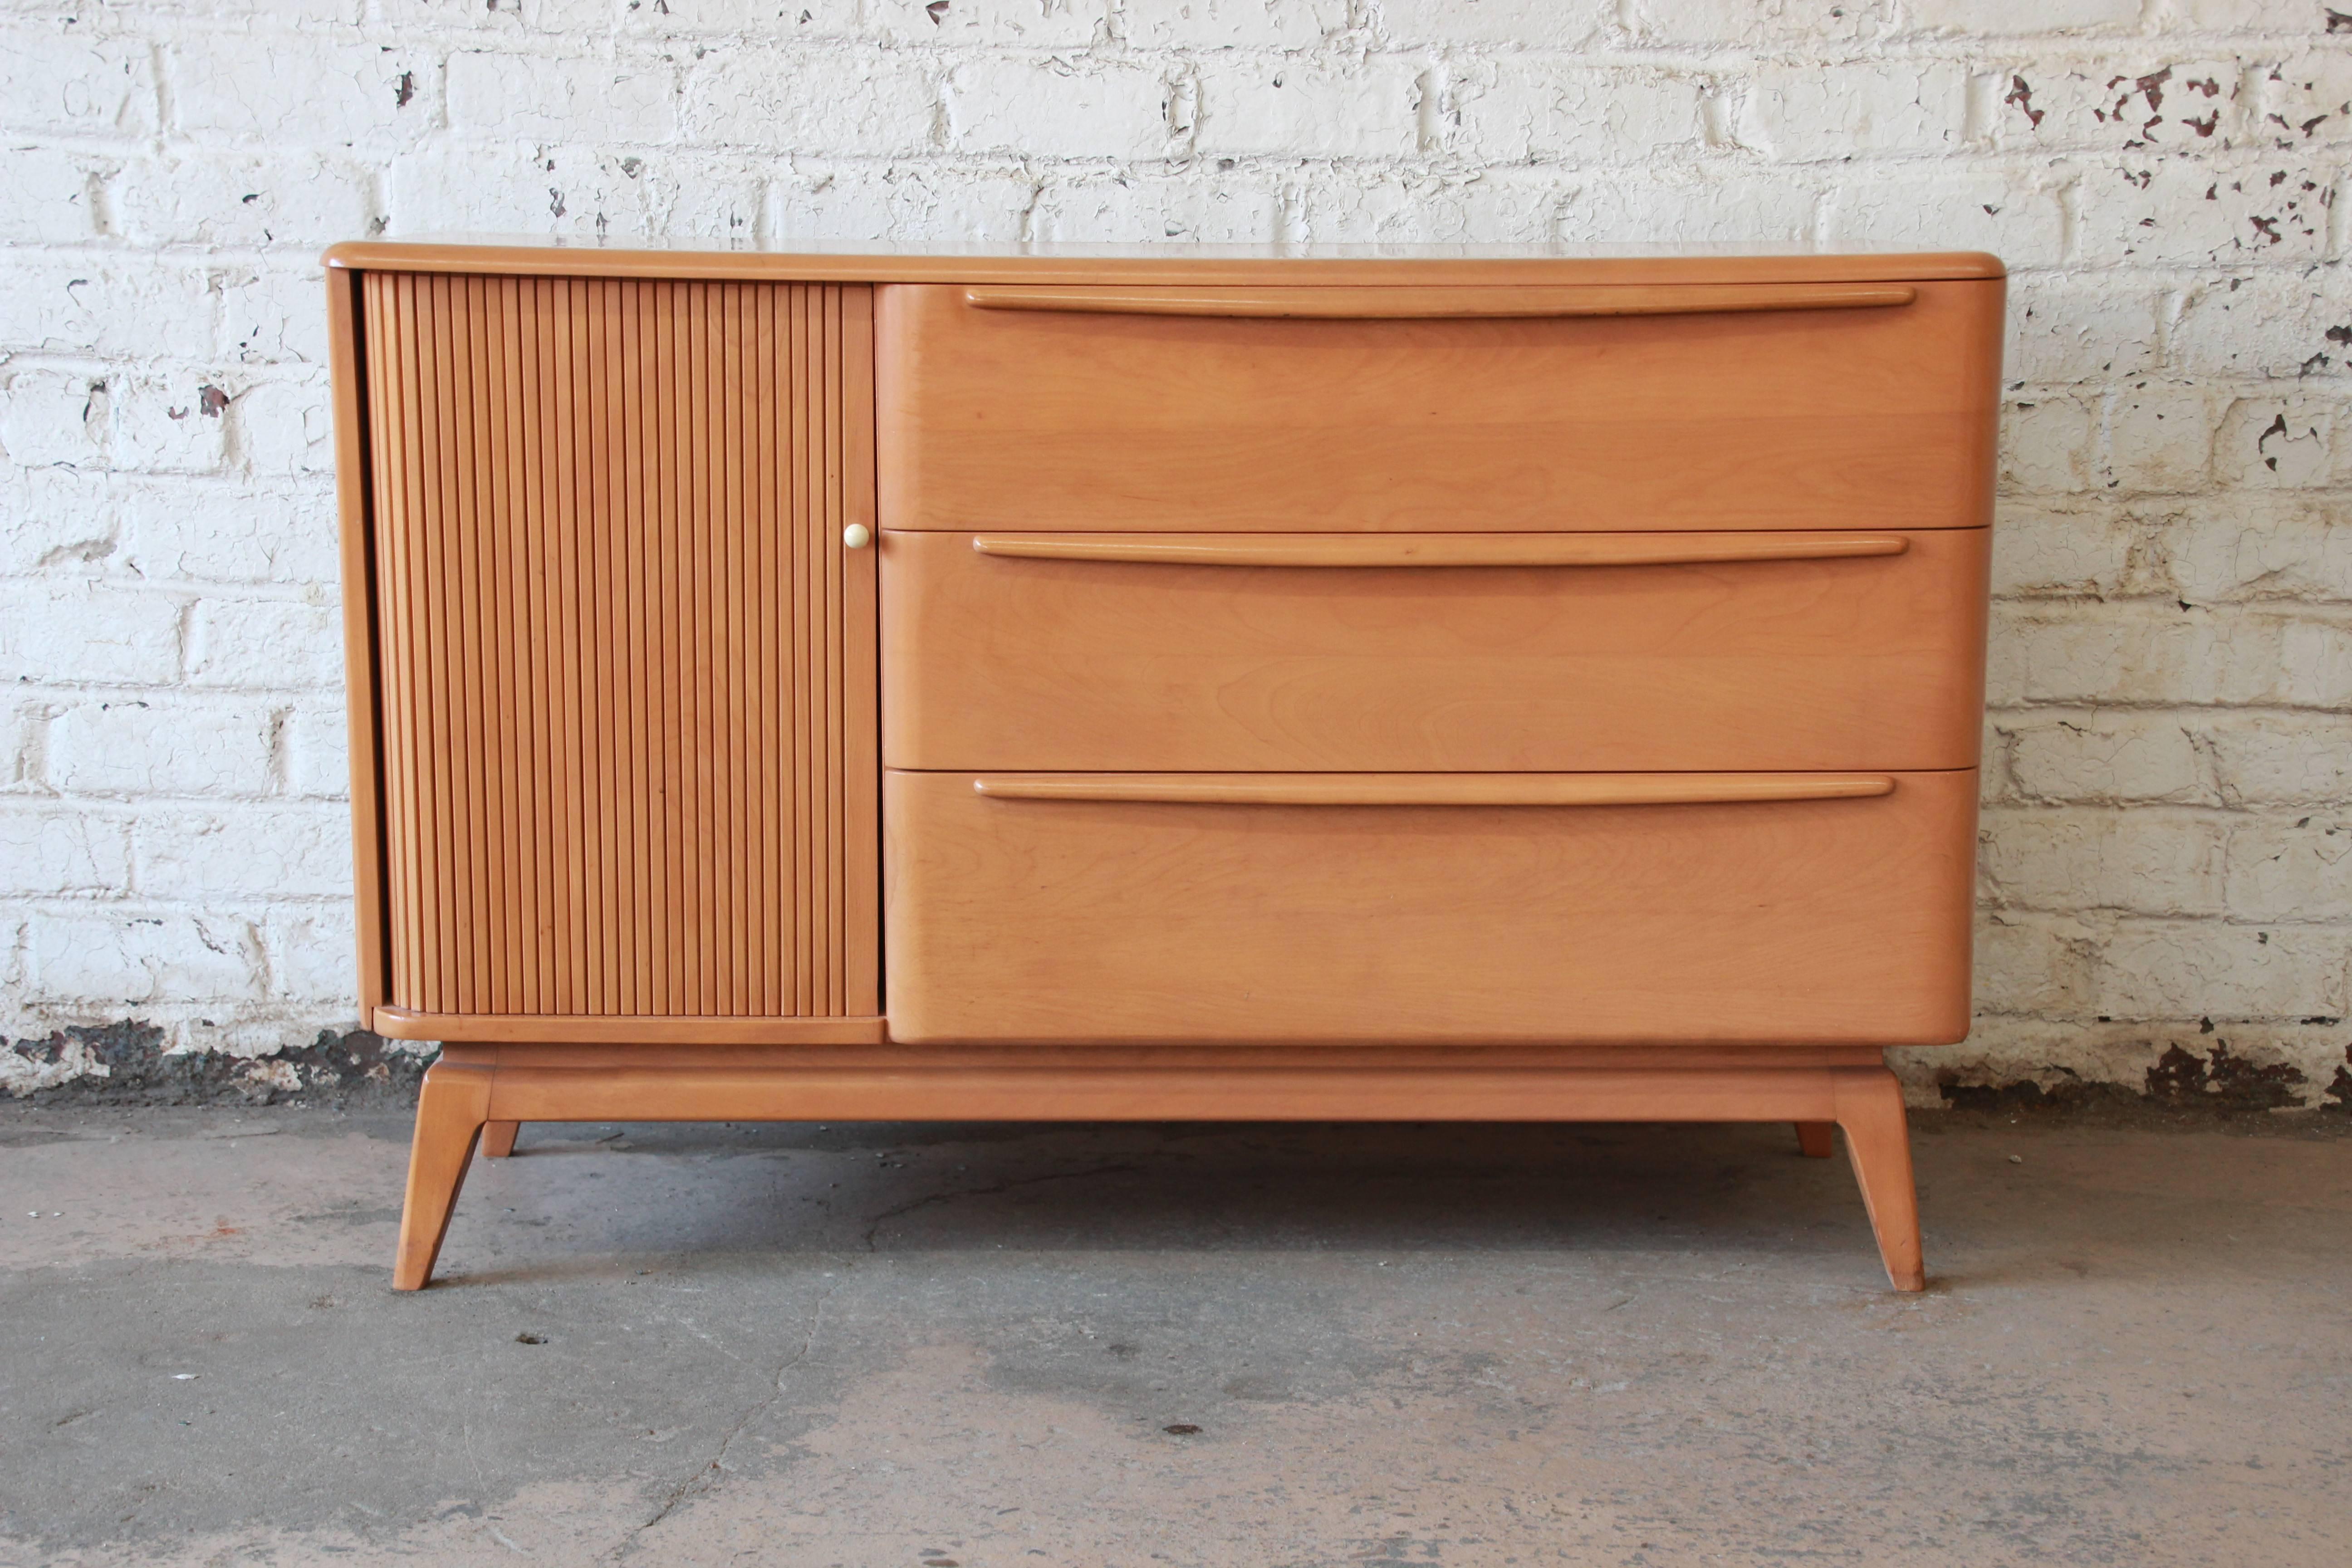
(1772, 908)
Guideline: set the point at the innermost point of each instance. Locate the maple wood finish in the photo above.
(406, 1023)
(1188, 267)
(1395, 303)
(1812, 1086)
(1432, 550)
(1523, 652)
(1120, 419)
(1348, 688)
(626, 666)
(1432, 789)
(452, 1108)
(1153, 918)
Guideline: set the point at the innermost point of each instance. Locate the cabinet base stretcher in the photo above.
(478, 1096)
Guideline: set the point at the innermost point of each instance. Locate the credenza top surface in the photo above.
(869, 262)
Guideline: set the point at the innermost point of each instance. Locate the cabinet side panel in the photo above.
(623, 776)
(347, 350)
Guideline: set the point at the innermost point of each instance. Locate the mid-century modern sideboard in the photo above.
(1163, 684)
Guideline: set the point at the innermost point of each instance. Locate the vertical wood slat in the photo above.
(625, 675)
(860, 779)
(804, 739)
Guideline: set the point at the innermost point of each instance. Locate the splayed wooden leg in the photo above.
(1815, 1140)
(498, 1138)
(1878, 1141)
(450, 1111)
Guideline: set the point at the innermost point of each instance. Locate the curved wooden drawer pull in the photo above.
(1437, 549)
(1428, 303)
(1434, 789)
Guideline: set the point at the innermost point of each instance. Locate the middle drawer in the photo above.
(1411, 653)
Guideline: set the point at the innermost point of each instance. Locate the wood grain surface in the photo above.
(1839, 921)
(995, 661)
(1344, 687)
(363, 714)
(626, 668)
(1114, 1091)
(1434, 789)
(1402, 266)
(897, 1056)
(631, 1029)
(1063, 421)
(1401, 302)
(478, 1096)
(1353, 550)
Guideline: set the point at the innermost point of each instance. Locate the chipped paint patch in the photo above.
(129, 1063)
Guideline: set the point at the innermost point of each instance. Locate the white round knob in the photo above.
(857, 536)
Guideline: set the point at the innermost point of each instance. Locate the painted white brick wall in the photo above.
(2169, 781)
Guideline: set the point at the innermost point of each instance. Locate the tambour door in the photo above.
(625, 682)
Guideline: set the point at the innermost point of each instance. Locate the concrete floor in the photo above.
(1246, 1345)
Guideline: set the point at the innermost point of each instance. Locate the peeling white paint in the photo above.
(2168, 766)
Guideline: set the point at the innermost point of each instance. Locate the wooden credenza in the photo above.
(1164, 687)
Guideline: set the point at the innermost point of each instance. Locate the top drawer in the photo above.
(1726, 406)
